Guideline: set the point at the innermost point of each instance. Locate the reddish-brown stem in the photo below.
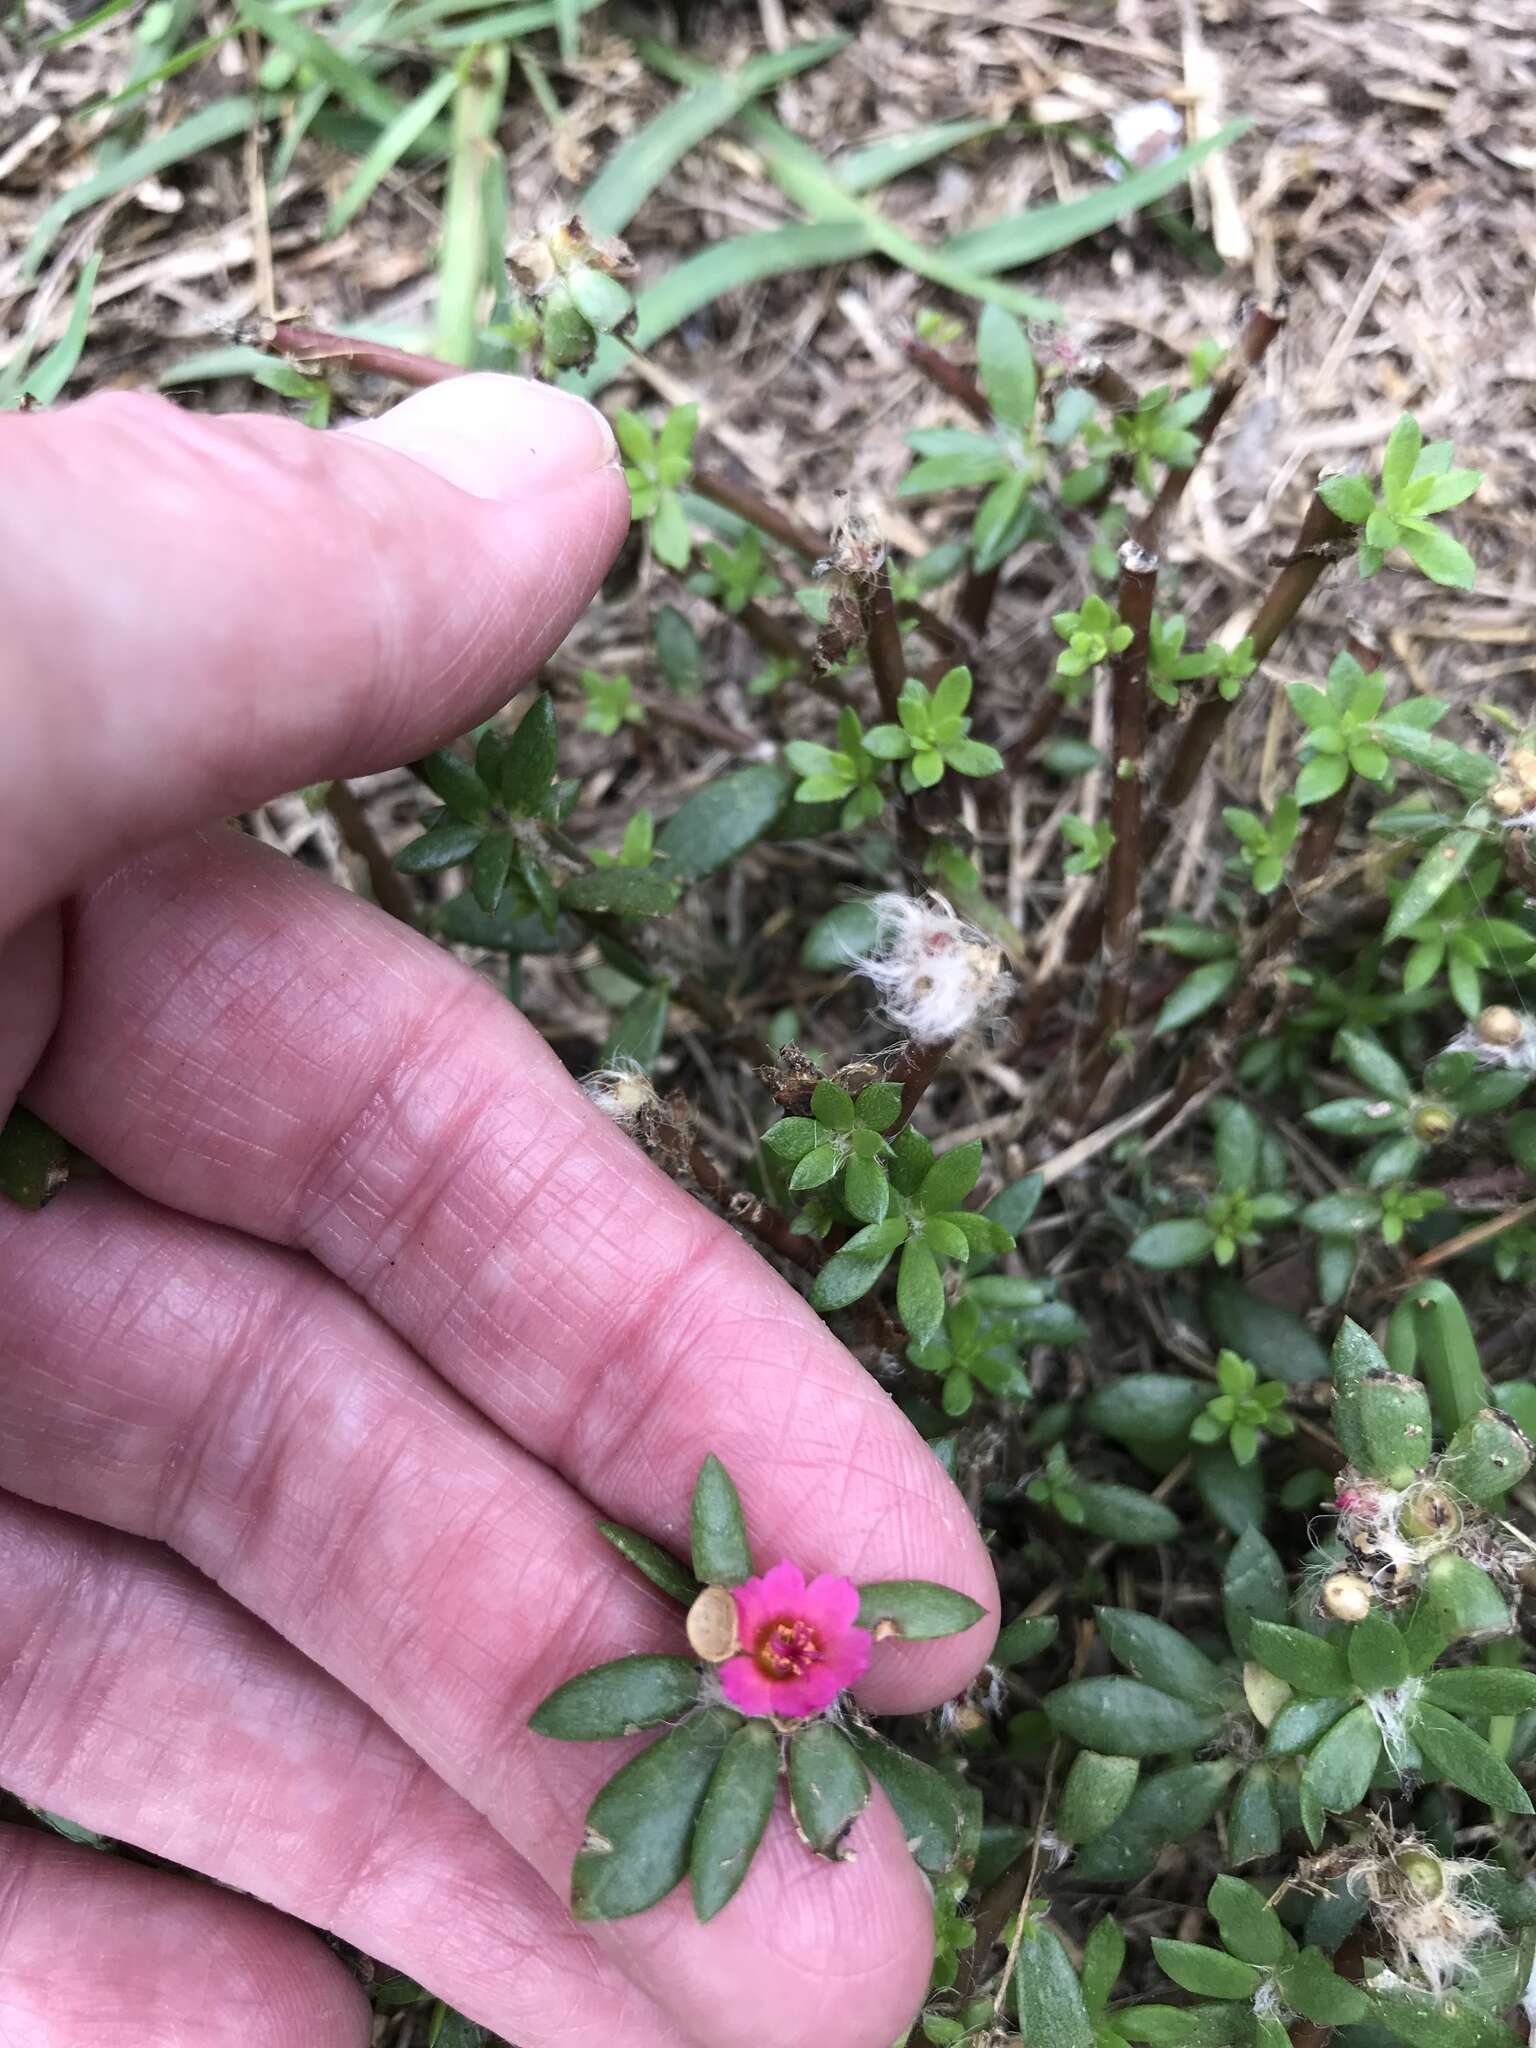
(916, 1064)
(390, 890)
(311, 346)
(1122, 882)
(760, 512)
(949, 378)
(1107, 385)
(753, 1214)
(882, 633)
(1259, 330)
(1314, 552)
(802, 540)
(976, 598)
(676, 712)
(770, 633)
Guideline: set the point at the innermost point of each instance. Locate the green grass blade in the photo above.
(632, 174)
(274, 373)
(510, 22)
(304, 113)
(877, 163)
(58, 366)
(348, 80)
(220, 122)
(480, 89)
(95, 19)
(568, 24)
(724, 267)
(802, 177)
(403, 133)
(1026, 237)
(182, 61)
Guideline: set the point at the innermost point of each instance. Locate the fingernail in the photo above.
(498, 437)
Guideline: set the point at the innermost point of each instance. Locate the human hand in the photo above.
(375, 1313)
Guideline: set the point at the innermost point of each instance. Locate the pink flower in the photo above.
(800, 1644)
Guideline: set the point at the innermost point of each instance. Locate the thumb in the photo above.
(203, 611)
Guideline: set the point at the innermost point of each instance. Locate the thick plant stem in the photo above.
(1290, 590)
(949, 378)
(916, 1064)
(1107, 384)
(1315, 551)
(1259, 330)
(1122, 881)
(390, 890)
(760, 512)
(887, 662)
(888, 666)
(312, 346)
(753, 1213)
(802, 540)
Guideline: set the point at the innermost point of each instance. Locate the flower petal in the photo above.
(846, 1659)
(830, 1604)
(748, 1688)
(816, 1689)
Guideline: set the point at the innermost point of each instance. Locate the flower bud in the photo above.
(1433, 1122)
(569, 341)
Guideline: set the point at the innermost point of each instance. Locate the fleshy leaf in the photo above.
(721, 1553)
(640, 1825)
(828, 1787)
(616, 1699)
(733, 1817)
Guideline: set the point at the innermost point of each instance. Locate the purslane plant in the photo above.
(762, 1696)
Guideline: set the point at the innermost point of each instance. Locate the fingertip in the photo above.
(496, 437)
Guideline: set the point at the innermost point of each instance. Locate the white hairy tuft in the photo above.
(938, 977)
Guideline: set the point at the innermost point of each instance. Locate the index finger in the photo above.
(253, 1047)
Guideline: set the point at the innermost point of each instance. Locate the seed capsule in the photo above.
(712, 1627)
(1421, 1874)
(1499, 1026)
(1346, 1597)
(1429, 1517)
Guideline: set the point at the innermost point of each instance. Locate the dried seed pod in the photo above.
(712, 1628)
(1346, 1596)
(1498, 1025)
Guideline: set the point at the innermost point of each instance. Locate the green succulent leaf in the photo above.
(722, 1555)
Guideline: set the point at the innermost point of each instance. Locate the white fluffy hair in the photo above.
(938, 976)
